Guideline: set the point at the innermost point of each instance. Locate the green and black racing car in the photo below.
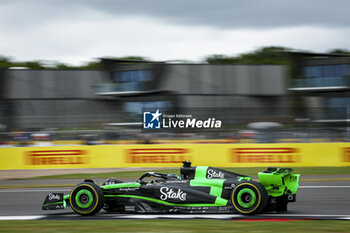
(200, 189)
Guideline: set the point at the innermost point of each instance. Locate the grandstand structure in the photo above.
(34, 99)
(323, 82)
(237, 94)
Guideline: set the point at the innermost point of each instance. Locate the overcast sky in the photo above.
(76, 31)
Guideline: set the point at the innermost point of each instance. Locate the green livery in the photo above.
(200, 189)
(278, 180)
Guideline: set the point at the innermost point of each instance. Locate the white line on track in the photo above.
(231, 216)
(304, 215)
(179, 216)
(216, 216)
(227, 216)
(30, 217)
(189, 216)
(33, 190)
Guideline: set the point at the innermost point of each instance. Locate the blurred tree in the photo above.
(221, 59)
(265, 55)
(93, 66)
(273, 55)
(339, 51)
(137, 58)
(5, 62)
(31, 64)
(62, 66)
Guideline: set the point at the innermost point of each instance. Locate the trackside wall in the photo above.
(171, 155)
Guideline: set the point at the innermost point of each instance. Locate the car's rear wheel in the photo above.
(249, 197)
(86, 199)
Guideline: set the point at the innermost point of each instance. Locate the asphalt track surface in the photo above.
(323, 199)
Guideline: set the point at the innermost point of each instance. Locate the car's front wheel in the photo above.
(86, 198)
(249, 197)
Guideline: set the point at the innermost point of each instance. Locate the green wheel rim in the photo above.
(84, 198)
(246, 198)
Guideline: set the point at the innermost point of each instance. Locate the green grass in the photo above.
(170, 226)
(250, 171)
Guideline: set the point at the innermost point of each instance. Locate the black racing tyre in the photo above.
(86, 198)
(249, 197)
(282, 203)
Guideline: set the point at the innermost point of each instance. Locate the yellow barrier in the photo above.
(140, 141)
(171, 155)
(165, 141)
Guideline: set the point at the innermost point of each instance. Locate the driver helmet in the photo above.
(173, 176)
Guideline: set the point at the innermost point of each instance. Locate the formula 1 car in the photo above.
(199, 189)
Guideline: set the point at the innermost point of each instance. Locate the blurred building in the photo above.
(78, 98)
(323, 83)
(227, 92)
(36, 99)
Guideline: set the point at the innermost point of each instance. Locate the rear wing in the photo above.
(279, 181)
